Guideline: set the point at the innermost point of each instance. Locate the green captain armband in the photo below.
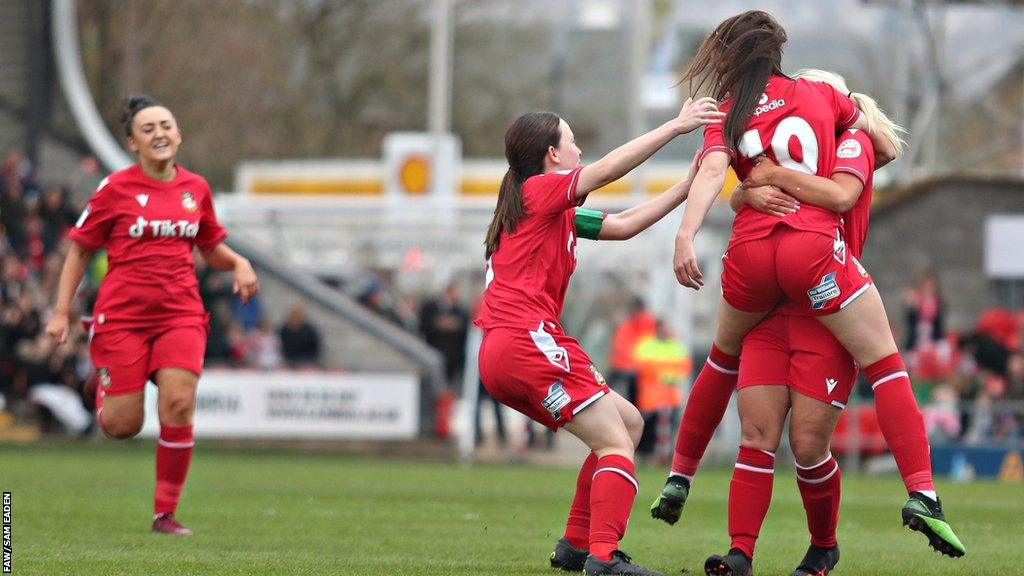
(588, 223)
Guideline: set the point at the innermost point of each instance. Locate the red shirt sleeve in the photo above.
(93, 226)
(843, 106)
(714, 141)
(211, 232)
(551, 193)
(855, 155)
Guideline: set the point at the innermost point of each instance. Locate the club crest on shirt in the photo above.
(104, 376)
(849, 148)
(598, 376)
(556, 399)
(188, 202)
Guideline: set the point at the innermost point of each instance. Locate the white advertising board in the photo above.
(300, 405)
(1004, 246)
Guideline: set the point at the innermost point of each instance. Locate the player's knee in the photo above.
(757, 434)
(808, 449)
(122, 428)
(179, 408)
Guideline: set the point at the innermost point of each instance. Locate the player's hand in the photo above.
(696, 114)
(685, 263)
(761, 173)
(246, 285)
(771, 200)
(58, 328)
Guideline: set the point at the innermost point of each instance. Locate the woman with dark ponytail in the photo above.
(799, 256)
(527, 361)
(148, 321)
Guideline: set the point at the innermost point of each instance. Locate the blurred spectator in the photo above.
(263, 349)
(1001, 325)
(640, 324)
(300, 341)
(57, 216)
(444, 323)
(924, 314)
(663, 367)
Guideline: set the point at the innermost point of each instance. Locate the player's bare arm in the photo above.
(246, 284)
(620, 161)
(70, 277)
(837, 194)
(628, 223)
(706, 185)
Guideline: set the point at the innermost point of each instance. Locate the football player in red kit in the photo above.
(791, 362)
(148, 320)
(527, 361)
(800, 256)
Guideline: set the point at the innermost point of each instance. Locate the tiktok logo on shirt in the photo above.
(163, 228)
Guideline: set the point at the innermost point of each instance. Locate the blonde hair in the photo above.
(878, 122)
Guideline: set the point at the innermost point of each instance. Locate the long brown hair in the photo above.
(737, 58)
(526, 143)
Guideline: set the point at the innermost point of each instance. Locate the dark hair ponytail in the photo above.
(526, 143)
(738, 58)
(131, 106)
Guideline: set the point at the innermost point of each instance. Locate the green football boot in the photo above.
(668, 506)
(922, 514)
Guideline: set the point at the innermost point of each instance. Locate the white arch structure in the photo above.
(72, 79)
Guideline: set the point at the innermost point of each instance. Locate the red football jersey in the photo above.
(149, 228)
(793, 122)
(856, 155)
(529, 272)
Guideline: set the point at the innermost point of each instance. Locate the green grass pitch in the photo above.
(85, 510)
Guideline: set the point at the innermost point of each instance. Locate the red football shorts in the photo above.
(542, 373)
(811, 269)
(799, 352)
(126, 359)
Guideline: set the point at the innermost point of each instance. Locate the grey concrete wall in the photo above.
(941, 225)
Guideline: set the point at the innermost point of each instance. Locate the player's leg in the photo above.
(176, 364)
(819, 479)
(571, 551)
(863, 329)
(121, 358)
(120, 415)
(602, 425)
(762, 415)
(705, 407)
(832, 284)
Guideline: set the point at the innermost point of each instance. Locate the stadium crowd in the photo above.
(970, 384)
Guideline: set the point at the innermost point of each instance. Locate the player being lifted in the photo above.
(791, 363)
(148, 320)
(799, 257)
(527, 361)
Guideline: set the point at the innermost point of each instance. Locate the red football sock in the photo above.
(750, 494)
(611, 498)
(820, 491)
(577, 528)
(704, 410)
(173, 453)
(901, 422)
